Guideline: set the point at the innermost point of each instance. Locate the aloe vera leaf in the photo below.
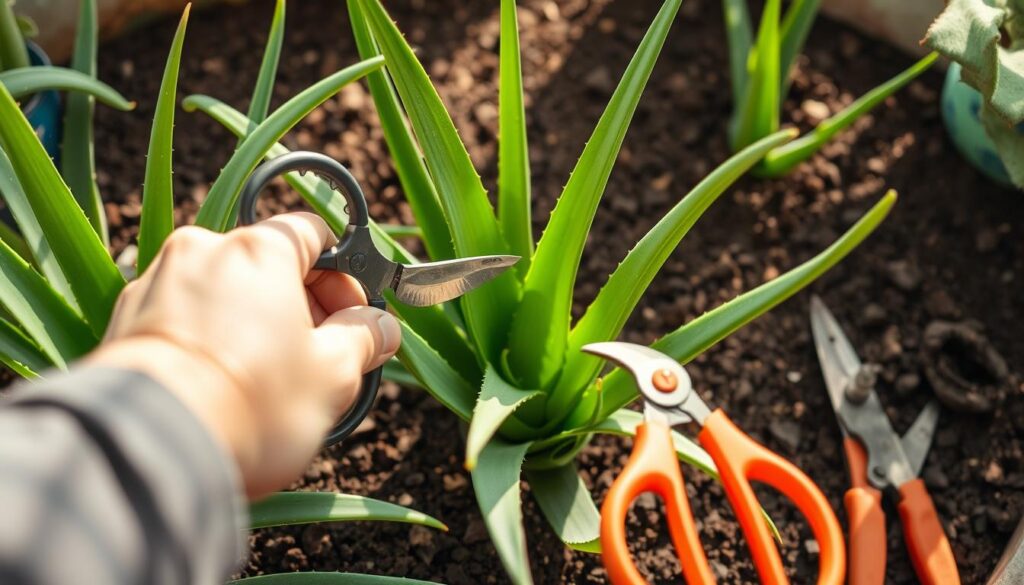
(289, 508)
(29, 80)
(496, 483)
(497, 401)
(757, 111)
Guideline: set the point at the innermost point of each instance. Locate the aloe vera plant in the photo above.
(58, 283)
(505, 358)
(759, 69)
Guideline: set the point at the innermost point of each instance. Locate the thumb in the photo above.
(358, 338)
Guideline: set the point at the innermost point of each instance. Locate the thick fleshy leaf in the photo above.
(286, 508)
(259, 105)
(12, 43)
(740, 35)
(20, 353)
(435, 374)
(78, 165)
(498, 400)
(461, 193)
(567, 506)
(513, 156)
(14, 241)
(781, 160)
(496, 483)
(395, 372)
(323, 578)
(29, 80)
(606, 316)
(1009, 142)
(83, 258)
(537, 341)
(215, 212)
(157, 220)
(756, 114)
(406, 158)
(17, 201)
(796, 25)
(698, 335)
(401, 231)
(45, 316)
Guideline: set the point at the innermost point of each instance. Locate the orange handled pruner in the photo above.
(669, 399)
(880, 461)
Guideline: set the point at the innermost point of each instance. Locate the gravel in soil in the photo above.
(951, 251)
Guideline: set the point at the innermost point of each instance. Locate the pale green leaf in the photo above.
(513, 156)
(796, 25)
(435, 374)
(395, 372)
(12, 43)
(401, 231)
(215, 212)
(1009, 143)
(259, 105)
(781, 160)
(757, 110)
(498, 400)
(496, 483)
(567, 506)
(740, 36)
(537, 341)
(157, 220)
(606, 316)
(323, 578)
(78, 165)
(461, 193)
(406, 158)
(20, 353)
(29, 80)
(287, 508)
(90, 271)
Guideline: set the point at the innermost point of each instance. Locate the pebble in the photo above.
(873, 315)
(907, 383)
(476, 532)
(934, 477)
(599, 80)
(904, 275)
(455, 482)
(786, 432)
(993, 473)
(816, 111)
(940, 305)
(812, 546)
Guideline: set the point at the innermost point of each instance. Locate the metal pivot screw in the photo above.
(357, 262)
(665, 380)
(863, 382)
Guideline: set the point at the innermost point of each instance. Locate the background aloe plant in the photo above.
(58, 282)
(505, 357)
(760, 73)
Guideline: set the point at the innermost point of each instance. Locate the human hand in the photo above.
(267, 352)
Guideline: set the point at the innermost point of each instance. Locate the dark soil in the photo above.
(952, 250)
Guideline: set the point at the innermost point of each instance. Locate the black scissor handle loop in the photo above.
(342, 181)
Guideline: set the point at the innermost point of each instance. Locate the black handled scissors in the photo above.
(355, 254)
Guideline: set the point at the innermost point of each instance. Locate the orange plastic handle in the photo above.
(929, 549)
(652, 467)
(741, 460)
(867, 520)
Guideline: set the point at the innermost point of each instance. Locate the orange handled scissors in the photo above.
(669, 399)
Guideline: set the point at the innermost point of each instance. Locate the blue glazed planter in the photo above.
(43, 110)
(961, 110)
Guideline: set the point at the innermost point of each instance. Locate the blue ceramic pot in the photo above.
(961, 111)
(43, 110)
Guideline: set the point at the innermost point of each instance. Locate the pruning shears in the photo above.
(418, 285)
(669, 399)
(880, 461)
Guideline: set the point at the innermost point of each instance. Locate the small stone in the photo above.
(422, 539)
(647, 501)
(940, 305)
(873, 315)
(599, 80)
(405, 500)
(786, 432)
(904, 275)
(794, 377)
(812, 547)
(907, 383)
(476, 532)
(815, 111)
(934, 477)
(454, 482)
(994, 473)
(365, 426)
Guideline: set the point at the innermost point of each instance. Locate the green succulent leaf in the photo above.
(513, 156)
(78, 165)
(34, 238)
(566, 504)
(540, 328)
(740, 36)
(402, 231)
(796, 25)
(435, 374)
(29, 80)
(698, 335)
(395, 372)
(756, 113)
(215, 212)
(157, 220)
(412, 171)
(1009, 143)
(92, 274)
(20, 353)
(461, 193)
(323, 578)
(781, 160)
(259, 105)
(496, 483)
(287, 508)
(606, 316)
(13, 239)
(61, 333)
(12, 43)
(498, 400)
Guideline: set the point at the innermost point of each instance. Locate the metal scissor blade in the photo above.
(839, 361)
(918, 438)
(431, 283)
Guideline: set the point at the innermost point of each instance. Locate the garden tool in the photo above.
(880, 461)
(355, 254)
(669, 399)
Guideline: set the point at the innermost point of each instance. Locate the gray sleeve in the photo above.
(105, 477)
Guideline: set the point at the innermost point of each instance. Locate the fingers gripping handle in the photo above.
(867, 521)
(652, 467)
(929, 549)
(741, 460)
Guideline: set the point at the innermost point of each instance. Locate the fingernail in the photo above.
(390, 333)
